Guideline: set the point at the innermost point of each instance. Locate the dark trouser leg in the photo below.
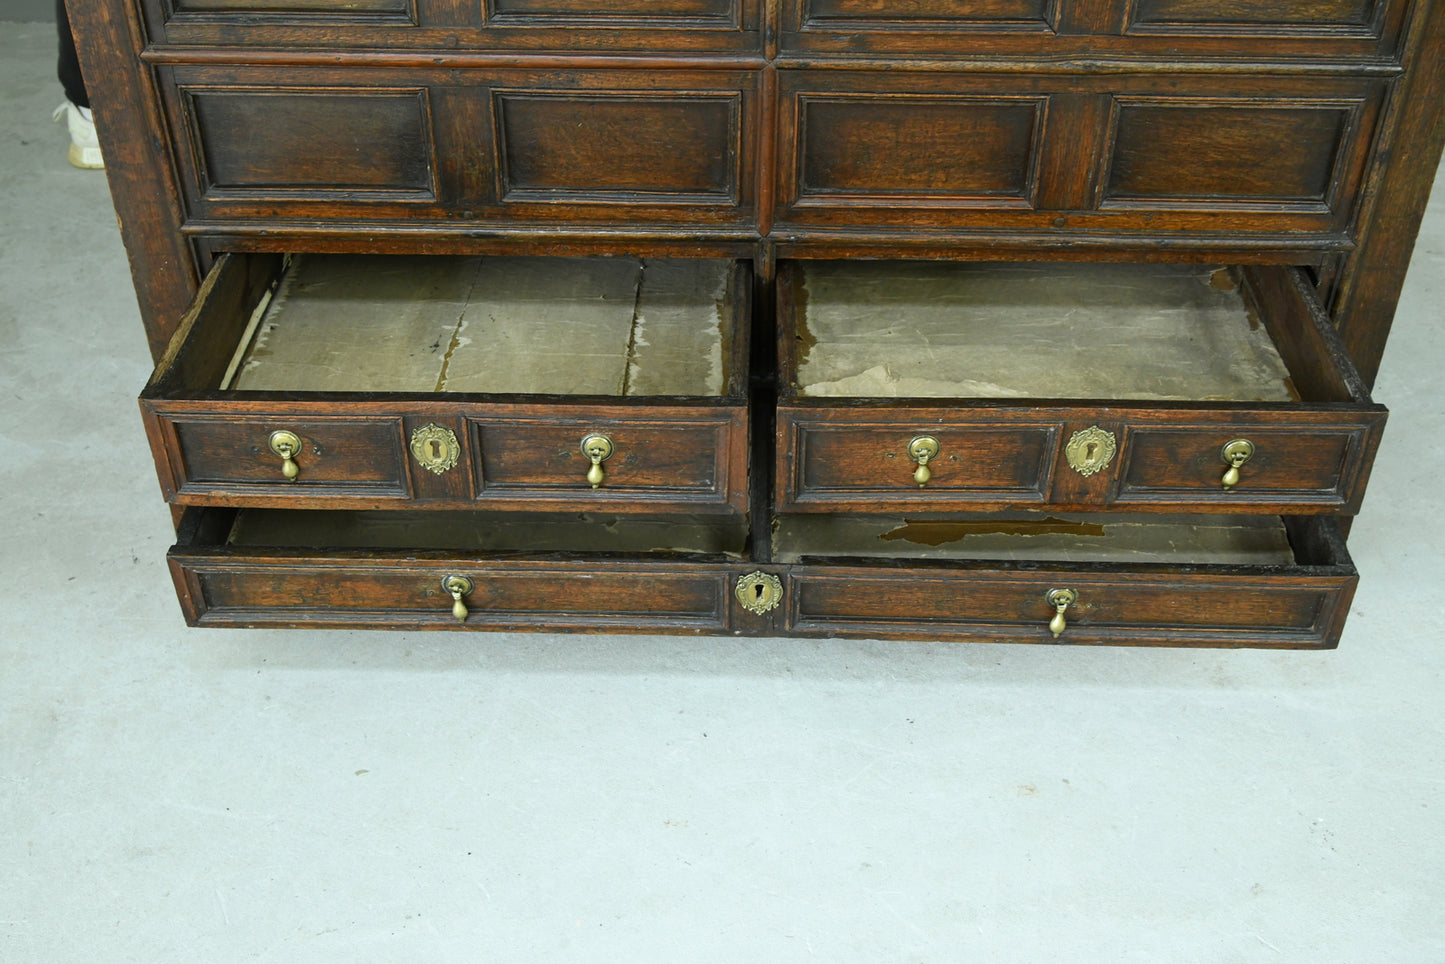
(69, 67)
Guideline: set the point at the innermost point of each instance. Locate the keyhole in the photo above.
(436, 449)
(1091, 451)
(758, 590)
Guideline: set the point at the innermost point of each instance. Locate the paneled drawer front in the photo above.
(231, 455)
(1056, 154)
(1298, 464)
(508, 146)
(1063, 28)
(858, 459)
(340, 590)
(497, 25)
(687, 458)
(251, 405)
(1233, 396)
(1304, 610)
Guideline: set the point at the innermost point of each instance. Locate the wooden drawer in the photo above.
(455, 147)
(443, 382)
(444, 25)
(388, 569)
(1255, 581)
(1086, 385)
(1059, 156)
(1164, 29)
(1190, 581)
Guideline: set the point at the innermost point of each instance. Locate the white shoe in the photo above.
(84, 147)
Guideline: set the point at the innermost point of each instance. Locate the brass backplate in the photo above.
(436, 448)
(759, 592)
(1090, 450)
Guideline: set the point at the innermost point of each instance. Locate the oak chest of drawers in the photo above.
(1027, 320)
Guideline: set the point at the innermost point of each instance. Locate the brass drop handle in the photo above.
(457, 587)
(1060, 599)
(923, 449)
(1235, 454)
(598, 449)
(287, 445)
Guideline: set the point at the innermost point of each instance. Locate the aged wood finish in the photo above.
(1294, 141)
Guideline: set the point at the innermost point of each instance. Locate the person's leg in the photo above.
(69, 66)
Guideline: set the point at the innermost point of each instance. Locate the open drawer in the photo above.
(1157, 580)
(457, 570)
(923, 386)
(1130, 580)
(458, 382)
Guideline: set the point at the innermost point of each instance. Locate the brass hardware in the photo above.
(598, 449)
(923, 449)
(457, 587)
(759, 591)
(1060, 599)
(1235, 454)
(436, 448)
(287, 445)
(1090, 450)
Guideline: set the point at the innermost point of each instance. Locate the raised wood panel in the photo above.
(329, 589)
(680, 460)
(589, 12)
(220, 458)
(927, 149)
(889, 14)
(675, 147)
(1138, 607)
(1255, 15)
(327, 142)
(342, 8)
(1218, 153)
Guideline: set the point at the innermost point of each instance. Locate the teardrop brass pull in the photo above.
(1235, 454)
(457, 587)
(598, 449)
(1060, 599)
(923, 449)
(287, 445)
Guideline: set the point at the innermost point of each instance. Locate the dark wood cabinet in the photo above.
(1028, 320)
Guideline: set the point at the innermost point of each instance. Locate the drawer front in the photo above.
(334, 591)
(496, 25)
(504, 146)
(1298, 466)
(648, 461)
(1303, 610)
(218, 458)
(858, 459)
(1055, 154)
(865, 462)
(1141, 28)
(505, 456)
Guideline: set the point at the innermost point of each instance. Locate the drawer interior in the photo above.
(479, 531)
(1140, 332)
(1049, 538)
(602, 327)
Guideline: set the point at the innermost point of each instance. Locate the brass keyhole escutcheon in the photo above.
(435, 448)
(457, 587)
(759, 592)
(598, 449)
(1090, 450)
(923, 449)
(287, 445)
(1060, 600)
(1235, 454)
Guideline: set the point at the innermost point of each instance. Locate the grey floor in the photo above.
(209, 796)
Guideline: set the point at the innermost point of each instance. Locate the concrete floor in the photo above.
(169, 794)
